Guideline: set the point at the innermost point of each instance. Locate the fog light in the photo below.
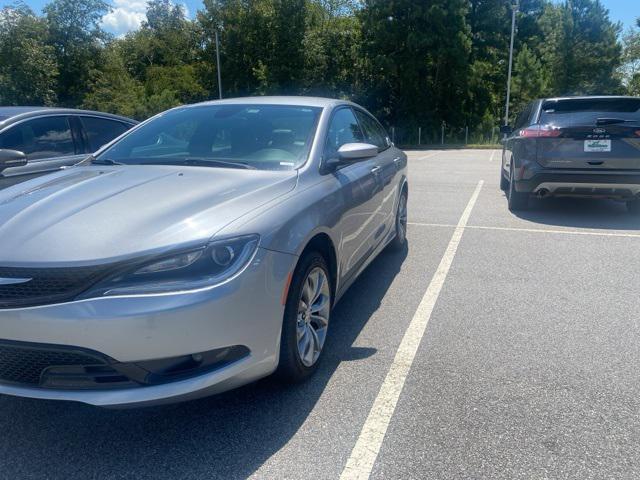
(223, 256)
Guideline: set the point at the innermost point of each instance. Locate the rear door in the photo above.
(98, 131)
(49, 142)
(590, 133)
(517, 143)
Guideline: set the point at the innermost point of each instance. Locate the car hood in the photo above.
(92, 215)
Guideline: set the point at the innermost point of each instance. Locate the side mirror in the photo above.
(506, 129)
(11, 158)
(357, 151)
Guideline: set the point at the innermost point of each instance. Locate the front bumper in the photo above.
(585, 183)
(246, 311)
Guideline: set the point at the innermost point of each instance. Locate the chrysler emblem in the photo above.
(14, 281)
(599, 131)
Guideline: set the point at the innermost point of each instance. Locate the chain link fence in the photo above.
(445, 136)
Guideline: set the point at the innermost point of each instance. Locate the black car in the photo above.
(38, 140)
(575, 146)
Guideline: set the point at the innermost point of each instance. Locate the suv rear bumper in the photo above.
(606, 184)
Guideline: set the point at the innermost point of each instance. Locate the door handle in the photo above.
(396, 160)
(375, 170)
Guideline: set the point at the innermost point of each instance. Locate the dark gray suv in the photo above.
(37, 140)
(574, 146)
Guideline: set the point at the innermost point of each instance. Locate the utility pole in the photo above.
(514, 10)
(218, 66)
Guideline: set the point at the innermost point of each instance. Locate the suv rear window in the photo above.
(586, 111)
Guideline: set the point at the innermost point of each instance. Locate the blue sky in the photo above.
(127, 14)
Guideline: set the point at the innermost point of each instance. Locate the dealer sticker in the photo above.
(597, 145)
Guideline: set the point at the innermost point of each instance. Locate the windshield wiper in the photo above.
(209, 162)
(106, 161)
(612, 121)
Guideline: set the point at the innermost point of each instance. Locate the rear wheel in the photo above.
(517, 200)
(504, 182)
(400, 240)
(306, 318)
(633, 206)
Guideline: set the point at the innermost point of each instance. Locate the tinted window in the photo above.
(40, 138)
(261, 136)
(586, 111)
(343, 129)
(373, 132)
(522, 120)
(100, 131)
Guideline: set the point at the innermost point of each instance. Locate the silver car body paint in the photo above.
(97, 214)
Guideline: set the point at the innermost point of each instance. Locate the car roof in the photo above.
(9, 115)
(278, 100)
(588, 97)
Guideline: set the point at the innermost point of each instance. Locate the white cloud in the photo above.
(126, 16)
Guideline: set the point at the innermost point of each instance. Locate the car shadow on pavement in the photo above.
(580, 213)
(226, 436)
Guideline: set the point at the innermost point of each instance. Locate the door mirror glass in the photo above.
(12, 158)
(356, 151)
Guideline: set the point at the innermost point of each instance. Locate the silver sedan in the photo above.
(201, 250)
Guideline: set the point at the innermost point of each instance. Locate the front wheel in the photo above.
(306, 318)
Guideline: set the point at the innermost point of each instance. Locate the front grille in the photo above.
(27, 364)
(46, 285)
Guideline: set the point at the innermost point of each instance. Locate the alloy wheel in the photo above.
(402, 217)
(313, 316)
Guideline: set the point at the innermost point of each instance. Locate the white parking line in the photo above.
(365, 451)
(532, 230)
(493, 152)
(432, 154)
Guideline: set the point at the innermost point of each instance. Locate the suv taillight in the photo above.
(539, 131)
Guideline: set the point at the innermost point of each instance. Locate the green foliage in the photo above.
(27, 73)
(414, 63)
(76, 37)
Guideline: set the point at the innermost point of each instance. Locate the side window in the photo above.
(343, 129)
(40, 138)
(101, 130)
(373, 132)
(522, 119)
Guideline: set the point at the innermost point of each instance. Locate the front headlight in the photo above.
(207, 266)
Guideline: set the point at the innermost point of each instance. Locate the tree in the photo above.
(415, 57)
(530, 80)
(631, 60)
(112, 89)
(77, 40)
(27, 73)
(582, 48)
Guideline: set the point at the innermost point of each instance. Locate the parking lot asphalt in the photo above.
(526, 362)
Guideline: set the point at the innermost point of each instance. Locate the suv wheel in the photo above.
(633, 206)
(306, 319)
(504, 182)
(517, 200)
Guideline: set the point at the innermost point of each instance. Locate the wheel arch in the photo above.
(321, 242)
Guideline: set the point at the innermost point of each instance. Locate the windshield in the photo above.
(266, 137)
(587, 111)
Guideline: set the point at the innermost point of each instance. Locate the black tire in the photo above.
(517, 200)
(504, 182)
(291, 368)
(399, 242)
(633, 206)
